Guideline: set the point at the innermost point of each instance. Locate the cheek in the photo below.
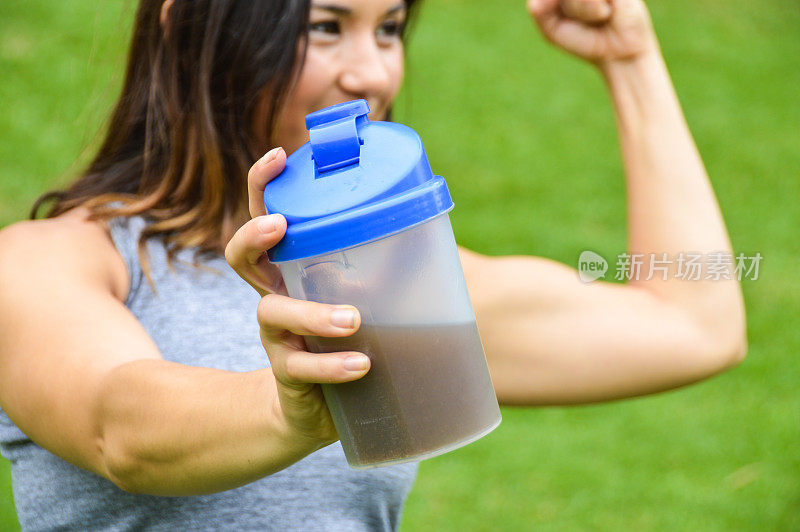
(315, 79)
(307, 95)
(393, 63)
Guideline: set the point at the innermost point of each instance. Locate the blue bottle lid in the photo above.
(355, 181)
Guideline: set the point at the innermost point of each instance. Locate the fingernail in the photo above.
(268, 224)
(344, 318)
(269, 156)
(356, 363)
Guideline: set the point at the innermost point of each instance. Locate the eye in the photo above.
(327, 27)
(390, 28)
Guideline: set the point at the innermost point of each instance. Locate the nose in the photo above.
(365, 72)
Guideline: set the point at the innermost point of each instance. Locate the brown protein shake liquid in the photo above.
(427, 389)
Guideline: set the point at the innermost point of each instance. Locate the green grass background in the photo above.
(524, 135)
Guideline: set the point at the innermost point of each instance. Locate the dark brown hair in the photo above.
(179, 142)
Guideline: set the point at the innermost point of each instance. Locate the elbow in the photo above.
(732, 340)
(122, 482)
(120, 453)
(116, 459)
(726, 350)
(736, 354)
(722, 335)
(124, 439)
(119, 467)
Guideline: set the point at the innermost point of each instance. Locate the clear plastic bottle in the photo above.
(368, 226)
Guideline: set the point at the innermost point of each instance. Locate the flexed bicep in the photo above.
(552, 339)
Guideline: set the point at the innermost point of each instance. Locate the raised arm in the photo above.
(550, 338)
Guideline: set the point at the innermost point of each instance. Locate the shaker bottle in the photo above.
(367, 225)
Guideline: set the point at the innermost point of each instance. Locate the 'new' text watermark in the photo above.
(686, 266)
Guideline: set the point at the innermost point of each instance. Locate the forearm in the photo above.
(170, 429)
(671, 205)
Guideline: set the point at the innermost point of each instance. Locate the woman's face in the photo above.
(354, 51)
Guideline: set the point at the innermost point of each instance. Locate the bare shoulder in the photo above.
(64, 329)
(69, 246)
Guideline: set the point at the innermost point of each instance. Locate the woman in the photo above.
(150, 381)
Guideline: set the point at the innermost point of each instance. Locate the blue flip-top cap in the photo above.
(355, 181)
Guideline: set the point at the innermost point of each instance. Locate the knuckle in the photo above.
(230, 254)
(265, 308)
(251, 174)
(328, 368)
(251, 226)
(234, 250)
(293, 367)
(316, 319)
(270, 346)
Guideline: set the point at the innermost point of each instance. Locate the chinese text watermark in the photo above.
(686, 266)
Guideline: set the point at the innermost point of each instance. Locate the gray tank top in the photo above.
(208, 319)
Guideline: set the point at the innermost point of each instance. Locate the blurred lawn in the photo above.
(525, 137)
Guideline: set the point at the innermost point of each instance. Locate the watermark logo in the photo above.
(591, 266)
(687, 266)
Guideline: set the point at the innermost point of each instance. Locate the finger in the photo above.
(246, 251)
(265, 170)
(542, 8)
(547, 15)
(278, 313)
(292, 366)
(572, 35)
(589, 11)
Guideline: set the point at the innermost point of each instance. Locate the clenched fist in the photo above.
(600, 31)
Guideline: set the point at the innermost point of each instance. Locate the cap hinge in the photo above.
(335, 144)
